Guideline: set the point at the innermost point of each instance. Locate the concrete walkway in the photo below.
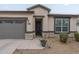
(8, 46)
(30, 44)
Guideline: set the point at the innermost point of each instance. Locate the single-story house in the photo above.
(36, 21)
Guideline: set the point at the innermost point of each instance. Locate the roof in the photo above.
(38, 5)
(62, 15)
(16, 11)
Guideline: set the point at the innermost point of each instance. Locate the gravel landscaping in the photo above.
(71, 47)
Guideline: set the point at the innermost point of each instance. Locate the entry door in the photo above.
(38, 27)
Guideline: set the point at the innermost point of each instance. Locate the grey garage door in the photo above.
(12, 29)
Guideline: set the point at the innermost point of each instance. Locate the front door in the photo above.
(38, 27)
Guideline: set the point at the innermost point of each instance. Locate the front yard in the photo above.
(56, 47)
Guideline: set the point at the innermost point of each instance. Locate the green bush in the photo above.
(76, 35)
(63, 37)
(43, 43)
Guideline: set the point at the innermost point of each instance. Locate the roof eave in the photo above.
(39, 6)
(16, 11)
(63, 15)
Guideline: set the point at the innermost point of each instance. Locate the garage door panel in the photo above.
(13, 30)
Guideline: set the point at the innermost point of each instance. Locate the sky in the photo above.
(55, 8)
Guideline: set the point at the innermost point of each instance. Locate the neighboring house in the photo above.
(36, 22)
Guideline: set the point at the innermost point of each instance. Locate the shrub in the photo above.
(43, 43)
(63, 37)
(76, 35)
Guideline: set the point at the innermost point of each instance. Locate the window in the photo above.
(77, 22)
(61, 25)
(8, 21)
(14, 21)
(19, 21)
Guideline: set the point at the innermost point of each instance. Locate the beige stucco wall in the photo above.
(51, 23)
(39, 11)
(45, 23)
(73, 22)
(15, 14)
(29, 27)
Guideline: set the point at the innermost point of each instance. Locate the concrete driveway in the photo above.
(8, 46)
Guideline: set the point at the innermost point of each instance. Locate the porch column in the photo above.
(29, 28)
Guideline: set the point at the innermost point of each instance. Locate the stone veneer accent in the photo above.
(29, 36)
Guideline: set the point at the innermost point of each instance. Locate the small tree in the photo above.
(63, 37)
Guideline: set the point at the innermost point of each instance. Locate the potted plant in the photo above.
(43, 42)
(76, 35)
(63, 37)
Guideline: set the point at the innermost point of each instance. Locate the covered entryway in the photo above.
(12, 29)
(38, 27)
